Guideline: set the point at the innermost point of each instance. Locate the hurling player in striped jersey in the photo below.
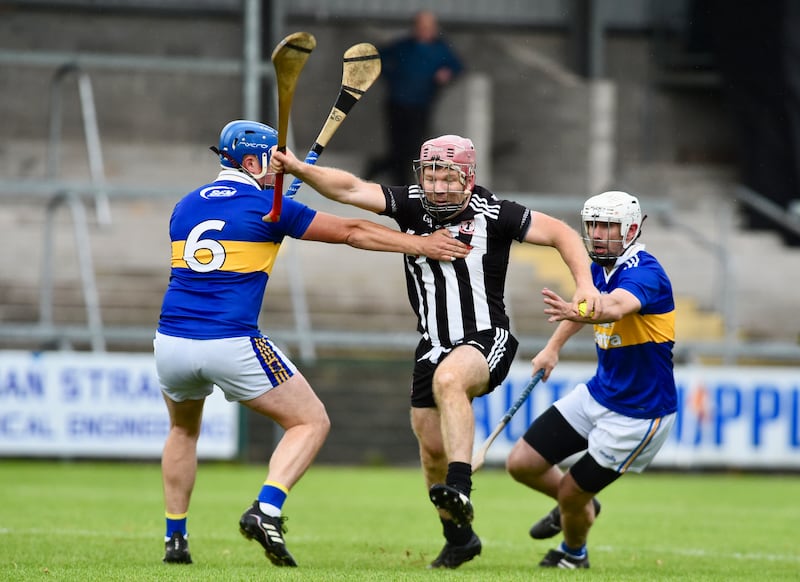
(619, 418)
(223, 254)
(466, 348)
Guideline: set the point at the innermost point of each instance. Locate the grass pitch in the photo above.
(104, 521)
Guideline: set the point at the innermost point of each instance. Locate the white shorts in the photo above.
(617, 442)
(243, 367)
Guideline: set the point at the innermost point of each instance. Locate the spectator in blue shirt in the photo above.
(414, 68)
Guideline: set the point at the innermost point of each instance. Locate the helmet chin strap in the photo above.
(264, 167)
(238, 166)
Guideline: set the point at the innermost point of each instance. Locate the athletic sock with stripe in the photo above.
(577, 553)
(271, 498)
(176, 522)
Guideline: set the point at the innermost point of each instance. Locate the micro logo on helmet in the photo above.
(252, 144)
(603, 210)
(445, 171)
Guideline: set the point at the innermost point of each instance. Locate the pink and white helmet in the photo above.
(451, 152)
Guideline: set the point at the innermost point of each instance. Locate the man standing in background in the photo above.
(414, 67)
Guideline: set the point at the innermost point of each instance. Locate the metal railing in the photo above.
(72, 194)
(59, 193)
(250, 67)
(307, 340)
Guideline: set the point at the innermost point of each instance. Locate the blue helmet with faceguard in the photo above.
(241, 137)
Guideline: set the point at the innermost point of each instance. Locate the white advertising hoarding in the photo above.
(728, 417)
(79, 404)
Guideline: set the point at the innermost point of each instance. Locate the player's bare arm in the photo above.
(617, 305)
(332, 183)
(547, 358)
(548, 231)
(363, 234)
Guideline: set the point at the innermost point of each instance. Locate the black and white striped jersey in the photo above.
(454, 299)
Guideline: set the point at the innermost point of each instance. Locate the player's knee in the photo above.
(446, 384)
(514, 467)
(317, 419)
(519, 463)
(432, 454)
(323, 423)
(523, 463)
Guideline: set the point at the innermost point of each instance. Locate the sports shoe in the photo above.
(558, 559)
(550, 524)
(176, 550)
(267, 531)
(453, 556)
(455, 503)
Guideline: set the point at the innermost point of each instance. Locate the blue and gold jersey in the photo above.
(222, 257)
(635, 370)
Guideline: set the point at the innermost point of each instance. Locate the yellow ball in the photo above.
(582, 308)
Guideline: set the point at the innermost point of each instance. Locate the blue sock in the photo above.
(573, 552)
(271, 498)
(175, 522)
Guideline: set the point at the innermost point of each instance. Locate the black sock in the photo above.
(459, 476)
(458, 536)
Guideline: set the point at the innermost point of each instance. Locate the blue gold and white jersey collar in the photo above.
(629, 252)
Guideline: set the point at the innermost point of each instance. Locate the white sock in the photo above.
(269, 509)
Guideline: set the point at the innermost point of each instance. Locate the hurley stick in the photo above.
(361, 66)
(480, 457)
(288, 58)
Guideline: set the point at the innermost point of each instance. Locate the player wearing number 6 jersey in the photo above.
(465, 348)
(222, 258)
(621, 417)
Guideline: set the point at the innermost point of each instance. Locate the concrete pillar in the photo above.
(602, 152)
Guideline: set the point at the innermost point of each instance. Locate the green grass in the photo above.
(104, 521)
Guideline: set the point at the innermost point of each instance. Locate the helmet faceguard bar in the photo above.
(434, 165)
(431, 174)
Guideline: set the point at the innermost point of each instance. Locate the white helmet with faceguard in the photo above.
(449, 161)
(606, 208)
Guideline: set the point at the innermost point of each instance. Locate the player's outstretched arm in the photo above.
(332, 183)
(363, 234)
(558, 310)
(614, 307)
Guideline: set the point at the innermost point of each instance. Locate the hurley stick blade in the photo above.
(288, 59)
(361, 66)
